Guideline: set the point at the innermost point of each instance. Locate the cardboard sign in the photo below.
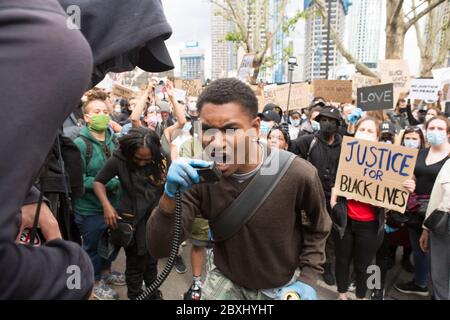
(193, 88)
(246, 69)
(442, 75)
(373, 172)
(179, 94)
(396, 72)
(360, 81)
(446, 92)
(279, 95)
(334, 90)
(259, 92)
(122, 91)
(376, 97)
(424, 89)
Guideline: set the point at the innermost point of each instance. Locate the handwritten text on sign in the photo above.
(424, 89)
(373, 172)
(376, 97)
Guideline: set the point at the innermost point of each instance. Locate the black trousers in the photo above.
(360, 244)
(383, 257)
(139, 268)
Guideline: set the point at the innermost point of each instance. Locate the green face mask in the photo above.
(99, 122)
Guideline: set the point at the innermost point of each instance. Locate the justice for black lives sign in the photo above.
(373, 172)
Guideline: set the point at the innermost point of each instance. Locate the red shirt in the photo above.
(360, 211)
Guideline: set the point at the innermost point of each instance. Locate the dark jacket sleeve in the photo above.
(58, 270)
(316, 231)
(160, 225)
(54, 71)
(412, 121)
(107, 175)
(302, 145)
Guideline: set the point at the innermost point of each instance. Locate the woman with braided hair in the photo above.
(141, 169)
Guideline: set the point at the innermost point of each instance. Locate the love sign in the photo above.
(376, 97)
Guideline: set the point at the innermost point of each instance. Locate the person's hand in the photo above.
(47, 221)
(423, 241)
(111, 216)
(297, 291)
(410, 185)
(169, 88)
(182, 175)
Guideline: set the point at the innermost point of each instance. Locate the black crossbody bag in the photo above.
(232, 219)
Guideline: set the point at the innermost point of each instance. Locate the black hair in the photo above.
(145, 138)
(285, 133)
(228, 90)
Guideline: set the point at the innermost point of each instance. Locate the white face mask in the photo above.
(118, 109)
(365, 136)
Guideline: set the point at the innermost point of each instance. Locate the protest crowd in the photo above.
(348, 182)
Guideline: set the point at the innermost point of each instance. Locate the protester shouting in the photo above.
(265, 253)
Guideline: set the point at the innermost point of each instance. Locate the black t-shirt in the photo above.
(426, 175)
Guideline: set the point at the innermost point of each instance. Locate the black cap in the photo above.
(329, 112)
(270, 115)
(387, 127)
(155, 57)
(273, 107)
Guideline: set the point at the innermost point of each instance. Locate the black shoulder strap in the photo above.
(89, 147)
(230, 221)
(311, 147)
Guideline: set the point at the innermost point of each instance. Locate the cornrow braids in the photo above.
(145, 138)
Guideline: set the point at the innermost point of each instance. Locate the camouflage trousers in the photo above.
(218, 287)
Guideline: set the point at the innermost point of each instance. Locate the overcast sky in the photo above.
(191, 21)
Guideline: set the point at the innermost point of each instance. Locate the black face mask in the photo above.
(328, 128)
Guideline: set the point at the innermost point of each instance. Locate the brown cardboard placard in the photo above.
(193, 88)
(396, 71)
(279, 95)
(373, 172)
(361, 81)
(121, 91)
(334, 90)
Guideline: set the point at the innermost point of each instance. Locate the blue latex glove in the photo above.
(355, 116)
(182, 175)
(297, 291)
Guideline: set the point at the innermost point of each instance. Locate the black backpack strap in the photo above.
(311, 147)
(230, 221)
(89, 151)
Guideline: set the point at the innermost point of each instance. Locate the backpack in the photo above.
(90, 148)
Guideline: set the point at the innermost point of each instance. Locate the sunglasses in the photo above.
(412, 129)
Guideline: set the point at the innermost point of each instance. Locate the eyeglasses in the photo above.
(412, 129)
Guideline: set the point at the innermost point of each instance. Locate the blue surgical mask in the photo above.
(409, 143)
(315, 126)
(187, 127)
(295, 123)
(265, 127)
(436, 138)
